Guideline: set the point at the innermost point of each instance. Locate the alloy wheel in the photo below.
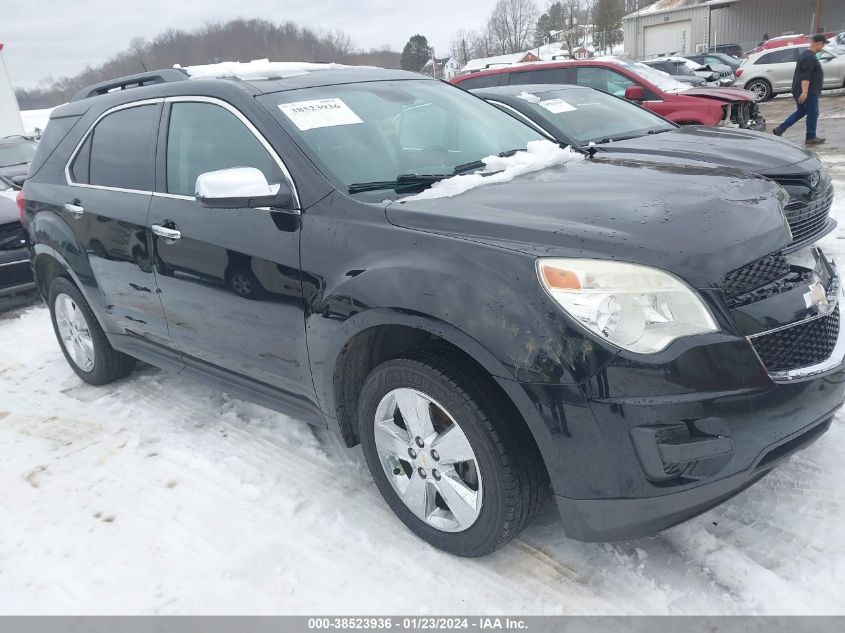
(760, 90)
(428, 460)
(74, 332)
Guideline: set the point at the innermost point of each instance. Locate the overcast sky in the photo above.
(58, 38)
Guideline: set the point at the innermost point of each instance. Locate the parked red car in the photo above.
(786, 40)
(653, 89)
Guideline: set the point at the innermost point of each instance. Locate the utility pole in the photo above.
(818, 16)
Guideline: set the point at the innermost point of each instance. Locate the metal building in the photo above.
(686, 26)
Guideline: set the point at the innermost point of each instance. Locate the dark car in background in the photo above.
(489, 314)
(16, 153)
(711, 59)
(636, 82)
(585, 117)
(678, 70)
(15, 271)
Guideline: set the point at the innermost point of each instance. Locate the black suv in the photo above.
(489, 314)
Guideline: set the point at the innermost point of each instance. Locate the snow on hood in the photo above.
(537, 155)
(256, 69)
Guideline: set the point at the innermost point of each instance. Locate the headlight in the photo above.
(638, 308)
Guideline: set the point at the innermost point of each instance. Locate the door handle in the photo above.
(166, 233)
(74, 209)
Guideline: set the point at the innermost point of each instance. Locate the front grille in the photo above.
(756, 274)
(801, 345)
(808, 219)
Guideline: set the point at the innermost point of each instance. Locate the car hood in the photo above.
(694, 222)
(720, 94)
(8, 210)
(723, 146)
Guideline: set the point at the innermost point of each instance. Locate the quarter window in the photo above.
(120, 151)
(206, 137)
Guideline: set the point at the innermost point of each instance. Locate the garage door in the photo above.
(665, 39)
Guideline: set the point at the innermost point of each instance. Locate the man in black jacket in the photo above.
(806, 88)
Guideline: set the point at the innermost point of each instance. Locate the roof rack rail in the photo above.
(132, 81)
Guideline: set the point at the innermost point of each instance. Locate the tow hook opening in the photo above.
(673, 454)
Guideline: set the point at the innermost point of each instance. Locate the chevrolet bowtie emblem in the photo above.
(816, 298)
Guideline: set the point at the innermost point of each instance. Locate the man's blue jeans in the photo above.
(809, 109)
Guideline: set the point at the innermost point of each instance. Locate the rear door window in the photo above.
(782, 56)
(604, 79)
(120, 151)
(542, 76)
(482, 81)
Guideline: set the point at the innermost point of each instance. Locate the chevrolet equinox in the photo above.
(492, 316)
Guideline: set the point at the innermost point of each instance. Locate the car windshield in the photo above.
(411, 132)
(662, 80)
(586, 115)
(16, 153)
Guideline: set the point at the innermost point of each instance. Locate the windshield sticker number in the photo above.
(308, 115)
(556, 106)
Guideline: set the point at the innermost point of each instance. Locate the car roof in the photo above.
(229, 83)
(515, 91)
(563, 63)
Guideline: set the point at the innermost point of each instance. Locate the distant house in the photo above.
(483, 63)
(444, 67)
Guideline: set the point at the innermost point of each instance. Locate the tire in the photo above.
(762, 88)
(511, 480)
(245, 284)
(106, 364)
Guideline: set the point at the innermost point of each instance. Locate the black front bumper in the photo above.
(650, 441)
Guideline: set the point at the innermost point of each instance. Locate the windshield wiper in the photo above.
(402, 182)
(478, 164)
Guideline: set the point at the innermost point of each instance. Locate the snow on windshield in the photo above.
(256, 69)
(537, 155)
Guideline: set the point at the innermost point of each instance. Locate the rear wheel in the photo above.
(83, 342)
(761, 88)
(448, 456)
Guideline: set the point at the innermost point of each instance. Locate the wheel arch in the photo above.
(389, 334)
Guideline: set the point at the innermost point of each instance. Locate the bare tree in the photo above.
(462, 45)
(512, 25)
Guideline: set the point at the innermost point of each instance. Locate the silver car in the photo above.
(769, 72)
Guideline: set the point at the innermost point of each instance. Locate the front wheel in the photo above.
(761, 88)
(83, 342)
(452, 460)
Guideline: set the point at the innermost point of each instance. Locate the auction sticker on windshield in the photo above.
(308, 115)
(556, 106)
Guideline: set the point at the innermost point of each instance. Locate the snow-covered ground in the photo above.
(158, 495)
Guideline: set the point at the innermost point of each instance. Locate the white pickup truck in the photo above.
(10, 114)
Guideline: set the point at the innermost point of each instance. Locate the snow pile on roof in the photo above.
(664, 5)
(256, 69)
(537, 155)
(527, 96)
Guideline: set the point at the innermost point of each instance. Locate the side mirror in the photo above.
(241, 188)
(635, 93)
